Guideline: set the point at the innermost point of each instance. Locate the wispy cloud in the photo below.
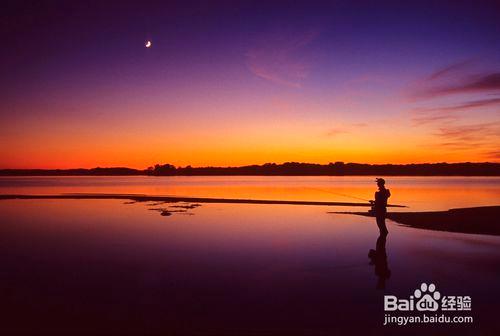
(449, 113)
(432, 118)
(460, 145)
(459, 127)
(449, 70)
(469, 105)
(467, 132)
(471, 136)
(276, 58)
(457, 78)
(360, 124)
(489, 82)
(495, 154)
(485, 83)
(344, 128)
(332, 132)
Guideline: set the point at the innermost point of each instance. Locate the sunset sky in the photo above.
(235, 83)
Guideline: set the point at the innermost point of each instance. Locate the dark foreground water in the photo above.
(102, 267)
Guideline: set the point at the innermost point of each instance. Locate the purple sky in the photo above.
(229, 83)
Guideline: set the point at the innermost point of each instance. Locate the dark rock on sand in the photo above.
(186, 206)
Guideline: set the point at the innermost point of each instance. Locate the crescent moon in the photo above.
(148, 44)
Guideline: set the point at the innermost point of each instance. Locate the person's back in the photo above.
(381, 197)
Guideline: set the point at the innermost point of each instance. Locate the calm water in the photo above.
(105, 267)
(419, 193)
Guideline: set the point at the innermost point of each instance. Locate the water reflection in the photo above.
(419, 193)
(378, 258)
(232, 269)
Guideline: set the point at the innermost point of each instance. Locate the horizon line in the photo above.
(258, 165)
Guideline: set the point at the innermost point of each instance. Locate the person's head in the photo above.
(380, 183)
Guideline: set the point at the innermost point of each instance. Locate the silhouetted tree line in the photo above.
(72, 172)
(335, 169)
(285, 169)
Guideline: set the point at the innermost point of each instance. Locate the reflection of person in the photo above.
(380, 205)
(378, 258)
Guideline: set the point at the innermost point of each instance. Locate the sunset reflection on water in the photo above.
(226, 268)
(418, 193)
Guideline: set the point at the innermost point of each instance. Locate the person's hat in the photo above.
(380, 180)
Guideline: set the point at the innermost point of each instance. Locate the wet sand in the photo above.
(478, 220)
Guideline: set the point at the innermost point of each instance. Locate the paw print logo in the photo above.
(428, 297)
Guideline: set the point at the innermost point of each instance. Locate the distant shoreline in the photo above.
(285, 169)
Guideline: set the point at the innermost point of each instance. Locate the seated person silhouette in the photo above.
(378, 258)
(379, 206)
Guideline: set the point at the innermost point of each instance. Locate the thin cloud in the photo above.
(276, 58)
(457, 78)
(344, 129)
(493, 154)
(448, 113)
(450, 69)
(449, 129)
(469, 105)
(427, 119)
(473, 84)
(468, 134)
(332, 132)
(468, 137)
(489, 82)
(460, 145)
(361, 124)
